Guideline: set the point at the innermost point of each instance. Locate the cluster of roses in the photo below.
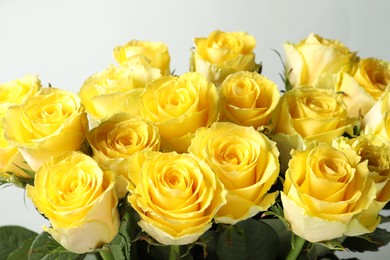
(206, 146)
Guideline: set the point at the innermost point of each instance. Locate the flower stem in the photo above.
(174, 252)
(296, 248)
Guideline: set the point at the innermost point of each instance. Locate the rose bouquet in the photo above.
(217, 163)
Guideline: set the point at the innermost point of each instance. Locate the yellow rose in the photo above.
(49, 123)
(222, 54)
(377, 119)
(115, 89)
(248, 99)
(179, 106)
(79, 200)
(12, 93)
(118, 138)
(324, 192)
(156, 53)
(377, 154)
(314, 57)
(246, 162)
(365, 86)
(313, 113)
(121, 136)
(176, 195)
(19, 90)
(373, 75)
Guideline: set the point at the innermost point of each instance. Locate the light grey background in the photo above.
(64, 42)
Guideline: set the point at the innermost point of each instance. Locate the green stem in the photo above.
(174, 252)
(296, 248)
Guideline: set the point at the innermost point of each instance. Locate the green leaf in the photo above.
(283, 233)
(22, 252)
(249, 239)
(12, 238)
(368, 242)
(45, 247)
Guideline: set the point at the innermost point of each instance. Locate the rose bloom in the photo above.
(377, 154)
(313, 113)
(14, 92)
(248, 99)
(377, 119)
(18, 90)
(49, 123)
(314, 57)
(222, 54)
(179, 105)
(365, 86)
(176, 195)
(79, 200)
(325, 191)
(246, 162)
(121, 136)
(156, 54)
(115, 89)
(373, 75)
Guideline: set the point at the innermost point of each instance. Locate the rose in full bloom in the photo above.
(14, 92)
(179, 105)
(79, 200)
(156, 54)
(314, 57)
(248, 99)
(365, 86)
(377, 119)
(246, 162)
(176, 195)
(223, 53)
(49, 123)
(325, 191)
(115, 89)
(121, 136)
(313, 113)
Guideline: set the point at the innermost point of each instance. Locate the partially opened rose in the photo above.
(14, 92)
(313, 113)
(314, 57)
(176, 195)
(248, 99)
(115, 89)
(377, 119)
(121, 136)
(365, 86)
(223, 53)
(325, 191)
(179, 105)
(246, 162)
(18, 90)
(79, 200)
(156, 53)
(373, 75)
(49, 123)
(377, 153)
